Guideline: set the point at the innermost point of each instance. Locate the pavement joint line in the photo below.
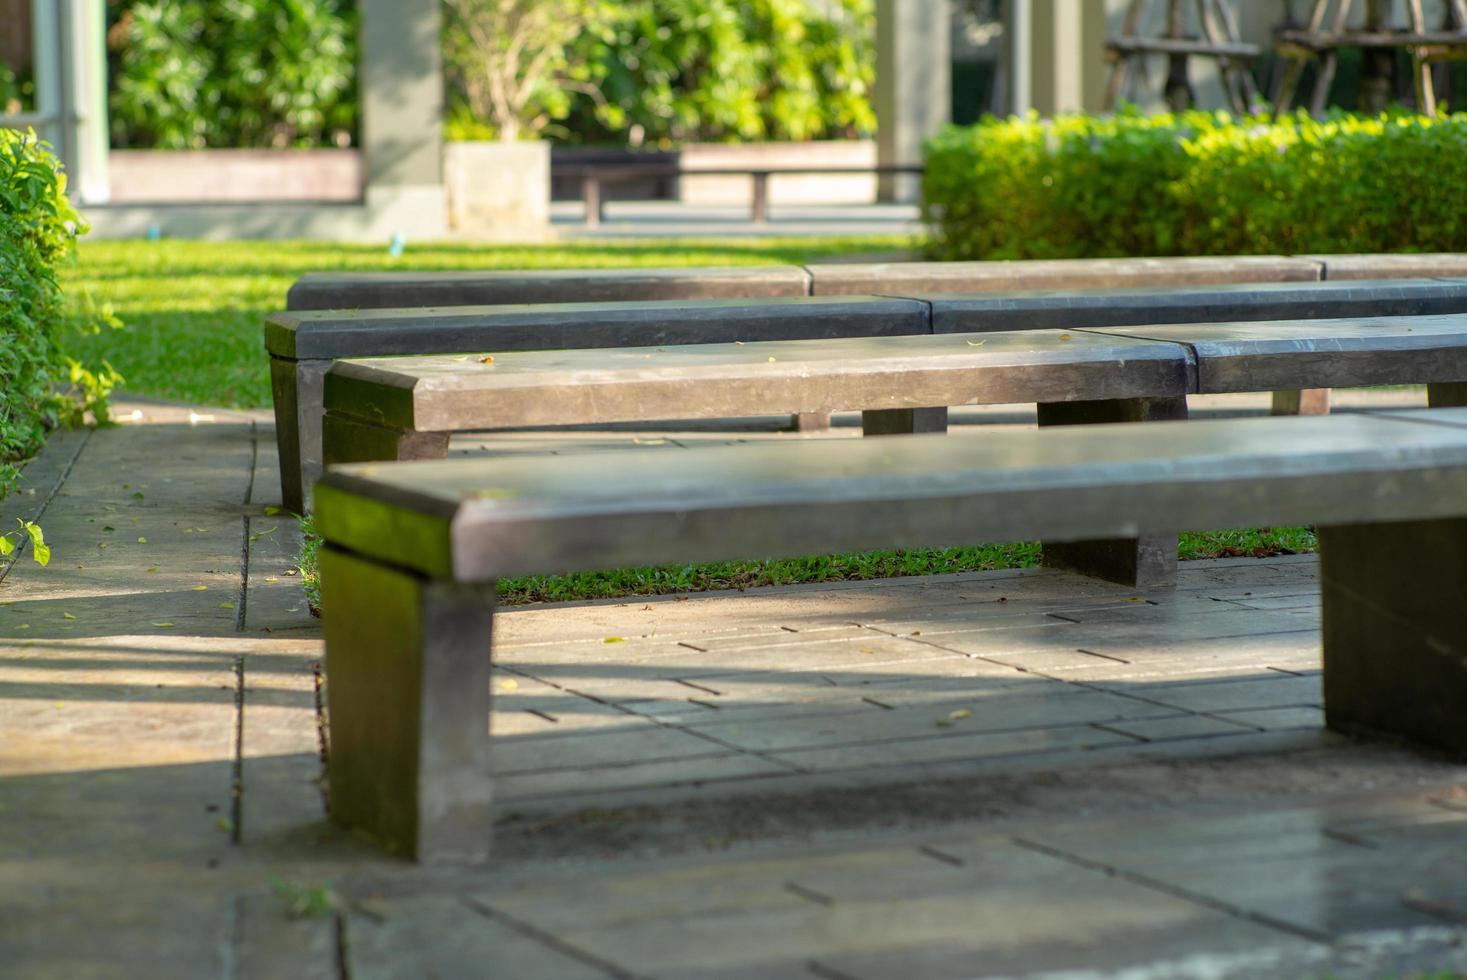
(1176, 891)
(1102, 656)
(1441, 911)
(323, 734)
(1102, 726)
(539, 935)
(764, 755)
(6, 566)
(1220, 716)
(341, 947)
(808, 894)
(927, 850)
(1345, 837)
(244, 558)
(236, 767)
(825, 972)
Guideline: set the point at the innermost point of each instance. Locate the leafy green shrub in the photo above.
(1196, 183)
(246, 73)
(41, 385)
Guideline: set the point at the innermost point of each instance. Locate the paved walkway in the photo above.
(993, 774)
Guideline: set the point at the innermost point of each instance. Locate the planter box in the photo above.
(498, 190)
(794, 189)
(225, 176)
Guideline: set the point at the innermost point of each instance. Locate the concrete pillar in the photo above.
(88, 144)
(913, 85)
(46, 67)
(401, 84)
(1063, 53)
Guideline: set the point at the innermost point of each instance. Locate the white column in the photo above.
(86, 89)
(47, 70)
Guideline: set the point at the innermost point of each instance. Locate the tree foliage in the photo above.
(506, 60)
(251, 73)
(661, 72)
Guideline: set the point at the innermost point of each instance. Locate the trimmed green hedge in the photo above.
(40, 386)
(37, 229)
(1196, 183)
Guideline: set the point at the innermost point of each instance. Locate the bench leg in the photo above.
(350, 440)
(1148, 562)
(1450, 394)
(903, 421)
(810, 421)
(1308, 401)
(1395, 639)
(407, 690)
(297, 388)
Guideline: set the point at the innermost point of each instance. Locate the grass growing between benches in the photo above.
(195, 311)
(670, 580)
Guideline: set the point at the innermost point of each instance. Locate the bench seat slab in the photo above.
(481, 519)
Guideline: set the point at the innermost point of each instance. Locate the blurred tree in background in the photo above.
(273, 73)
(186, 74)
(661, 72)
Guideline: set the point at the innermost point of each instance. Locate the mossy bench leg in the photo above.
(1395, 638)
(903, 421)
(1450, 394)
(1301, 401)
(297, 388)
(407, 686)
(351, 440)
(1148, 562)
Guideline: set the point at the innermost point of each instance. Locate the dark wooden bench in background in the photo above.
(298, 364)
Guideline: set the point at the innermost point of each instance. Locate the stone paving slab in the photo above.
(777, 783)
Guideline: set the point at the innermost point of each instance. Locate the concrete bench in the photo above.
(377, 290)
(413, 550)
(406, 408)
(381, 290)
(302, 345)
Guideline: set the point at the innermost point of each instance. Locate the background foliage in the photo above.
(186, 74)
(662, 72)
(247, 73)
(42, 387)
(1196, 184)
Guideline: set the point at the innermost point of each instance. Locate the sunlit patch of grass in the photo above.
(194, 312)
(707, 577)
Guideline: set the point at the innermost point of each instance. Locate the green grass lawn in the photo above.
(194, 314)
(195, 311)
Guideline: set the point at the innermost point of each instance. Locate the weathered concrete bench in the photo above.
(407, 407)
(302, 345)
(375, 290)
(381, 290)
(413, 550)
